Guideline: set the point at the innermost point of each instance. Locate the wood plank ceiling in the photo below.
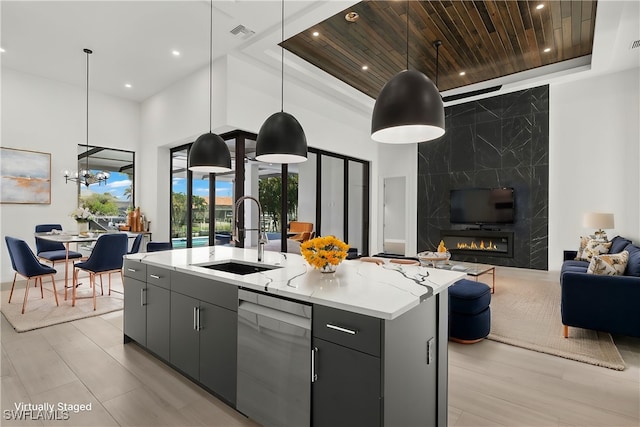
(485, 39)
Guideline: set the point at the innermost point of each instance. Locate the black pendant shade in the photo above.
(209, 154)
(409, 109)
(281, 139)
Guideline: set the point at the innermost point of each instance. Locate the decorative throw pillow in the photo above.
(609, 264)
(583, 243)
(593, 248)
(633, 266)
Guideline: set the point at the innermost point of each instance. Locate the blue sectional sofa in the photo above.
(604, 303)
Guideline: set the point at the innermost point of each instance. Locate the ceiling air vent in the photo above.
(243, 31)
(635, 44)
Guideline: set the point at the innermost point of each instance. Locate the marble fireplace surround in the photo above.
(501, 141)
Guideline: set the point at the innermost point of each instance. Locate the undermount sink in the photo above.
(238, 267)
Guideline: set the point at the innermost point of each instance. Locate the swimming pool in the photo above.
(181, 242)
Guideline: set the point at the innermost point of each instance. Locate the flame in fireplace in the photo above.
(489, 246)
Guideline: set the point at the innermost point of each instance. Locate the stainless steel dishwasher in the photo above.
(274, 360)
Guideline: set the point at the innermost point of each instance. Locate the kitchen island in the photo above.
(377, 334)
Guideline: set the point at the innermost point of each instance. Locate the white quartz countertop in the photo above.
(384, 291)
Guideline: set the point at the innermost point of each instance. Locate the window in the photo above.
(109, 201)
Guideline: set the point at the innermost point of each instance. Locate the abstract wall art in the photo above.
(25, 176)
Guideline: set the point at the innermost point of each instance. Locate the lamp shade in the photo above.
(209, 154)
(409, 109)
(598, 220)
(281, 139)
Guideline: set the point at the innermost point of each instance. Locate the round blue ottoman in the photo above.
(469, 313)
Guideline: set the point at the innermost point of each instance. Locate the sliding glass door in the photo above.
(329, 192)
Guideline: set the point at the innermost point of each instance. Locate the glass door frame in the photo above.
(365, 194)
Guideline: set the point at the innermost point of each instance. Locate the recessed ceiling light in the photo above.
(316, 34)
(462, 73)
(547, 49)
(175, 53)
(540, 6)
(365, 67)
(352, 17)
(2, 50)
(128, 85)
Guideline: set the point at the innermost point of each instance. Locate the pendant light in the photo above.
(85, 176)
(281, 138)
(209, 154)
(409, 108)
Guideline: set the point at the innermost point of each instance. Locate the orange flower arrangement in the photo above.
(323, 252)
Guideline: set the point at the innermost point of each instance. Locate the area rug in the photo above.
(43, 312)
(525, 312)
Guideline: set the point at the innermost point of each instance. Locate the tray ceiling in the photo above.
(485, 39)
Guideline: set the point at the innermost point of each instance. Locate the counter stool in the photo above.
(469, 312)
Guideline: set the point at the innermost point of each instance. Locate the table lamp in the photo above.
(600, 221)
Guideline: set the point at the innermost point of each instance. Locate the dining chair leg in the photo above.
(109, 283)
(93, 280)
(66, 285)
(15, 275)
(55, 293)
(73, 288)
(101, 287)
(41, 290)
(26, 295)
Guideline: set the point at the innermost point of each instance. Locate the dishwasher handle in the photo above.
(272, 313)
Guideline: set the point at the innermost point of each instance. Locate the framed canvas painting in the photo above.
(25, 176)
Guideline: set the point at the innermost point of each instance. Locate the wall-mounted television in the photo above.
(482, 206)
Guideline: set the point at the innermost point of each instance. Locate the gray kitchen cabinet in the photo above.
(347, 391)
(135, 312)
(218, 349)
(204, 332)
(147, 307)
(185, 340)
(158, 303)
(375, 372)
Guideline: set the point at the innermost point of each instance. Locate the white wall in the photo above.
(48, 116)
(594, 140)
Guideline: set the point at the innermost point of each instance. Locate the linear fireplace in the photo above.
(478, 242)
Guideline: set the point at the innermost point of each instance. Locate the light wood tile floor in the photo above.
(490, 384)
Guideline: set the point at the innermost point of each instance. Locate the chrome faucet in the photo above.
(262, 235)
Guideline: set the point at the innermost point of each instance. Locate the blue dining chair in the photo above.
(52, 251)
(25, 263)
(106, 258)
(135, 247)
(159, 246)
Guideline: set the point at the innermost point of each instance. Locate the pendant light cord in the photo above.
(210, 65)
(437, 44)
(407, 34)
(88, 52)
(282, 58)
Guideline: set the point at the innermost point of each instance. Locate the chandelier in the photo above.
(86, 176)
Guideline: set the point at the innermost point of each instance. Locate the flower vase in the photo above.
(328, 268)
(83, 227)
